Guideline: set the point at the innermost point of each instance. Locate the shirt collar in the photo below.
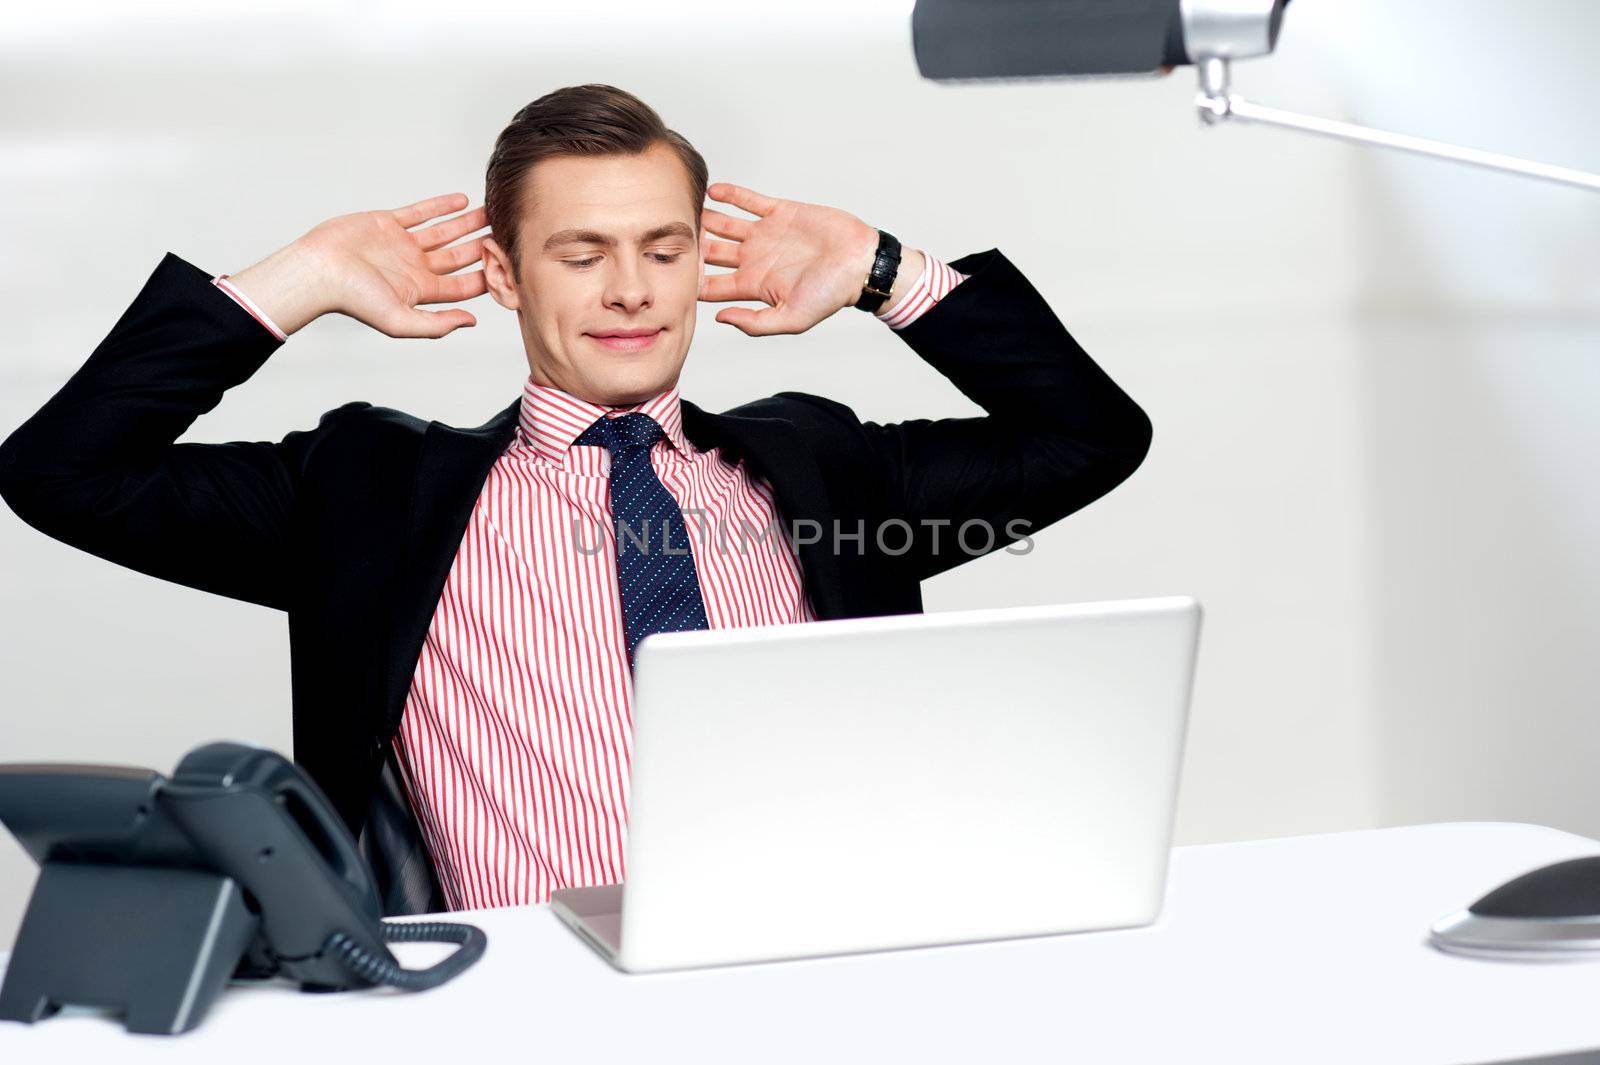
(549, 420)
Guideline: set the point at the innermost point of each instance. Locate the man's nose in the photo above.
(627, 287)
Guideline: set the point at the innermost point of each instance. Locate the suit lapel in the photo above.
(451, 471)
(773, 448)
(454, 464)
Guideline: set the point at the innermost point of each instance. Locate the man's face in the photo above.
(609, 244)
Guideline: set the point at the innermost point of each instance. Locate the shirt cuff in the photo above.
(931, 286)
(249, 305)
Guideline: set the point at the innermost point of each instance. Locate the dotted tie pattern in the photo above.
(655, 566)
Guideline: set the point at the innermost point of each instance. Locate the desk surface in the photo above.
(1309, 949)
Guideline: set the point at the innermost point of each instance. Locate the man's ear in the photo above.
(499, 276)
(701, 243)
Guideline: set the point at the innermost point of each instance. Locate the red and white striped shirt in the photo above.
(516, 739)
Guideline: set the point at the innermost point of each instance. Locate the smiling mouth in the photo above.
(638, 343)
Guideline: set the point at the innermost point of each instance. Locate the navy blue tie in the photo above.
(655, 569)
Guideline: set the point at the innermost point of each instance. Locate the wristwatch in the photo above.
(875, 289)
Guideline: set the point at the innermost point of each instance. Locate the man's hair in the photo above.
(577, 120)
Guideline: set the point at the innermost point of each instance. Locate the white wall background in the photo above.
(1371, 376)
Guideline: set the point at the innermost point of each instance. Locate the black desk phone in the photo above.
(154, 892)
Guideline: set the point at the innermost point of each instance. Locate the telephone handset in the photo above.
(236, 866)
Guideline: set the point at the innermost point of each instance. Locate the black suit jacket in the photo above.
(351, 527)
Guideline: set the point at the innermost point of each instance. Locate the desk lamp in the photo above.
(960, 40)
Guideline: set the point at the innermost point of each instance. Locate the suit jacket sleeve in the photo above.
(1058, 432)
(97, 466)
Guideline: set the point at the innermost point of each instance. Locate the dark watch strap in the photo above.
(884, 268)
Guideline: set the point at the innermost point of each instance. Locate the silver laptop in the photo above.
(874, 783)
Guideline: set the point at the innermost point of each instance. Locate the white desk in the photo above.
(1298, 950)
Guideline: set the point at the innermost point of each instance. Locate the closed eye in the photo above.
(662, 258)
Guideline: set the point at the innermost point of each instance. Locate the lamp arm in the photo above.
(1217, 103)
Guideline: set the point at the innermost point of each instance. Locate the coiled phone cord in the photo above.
(376, 970)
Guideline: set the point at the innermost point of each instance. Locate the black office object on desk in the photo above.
(1551, 913)
(153, 892)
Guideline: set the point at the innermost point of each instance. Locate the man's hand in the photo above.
(373, 266)
(803, 260)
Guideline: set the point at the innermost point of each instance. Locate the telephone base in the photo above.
(156, 943)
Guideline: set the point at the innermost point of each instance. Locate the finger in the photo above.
(719, 288)
(413, 322)
(433, 207)
(768, 321)
(725, 225)
(454, 258)
(721, 253)
(441, 233)
(740, 196)
(454, 288)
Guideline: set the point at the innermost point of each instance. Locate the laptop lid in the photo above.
(864, 784)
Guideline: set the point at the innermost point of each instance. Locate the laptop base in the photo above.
(595, 913)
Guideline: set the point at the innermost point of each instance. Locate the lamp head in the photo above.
(969, 39)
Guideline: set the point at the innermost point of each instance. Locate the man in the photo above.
(464, 604)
